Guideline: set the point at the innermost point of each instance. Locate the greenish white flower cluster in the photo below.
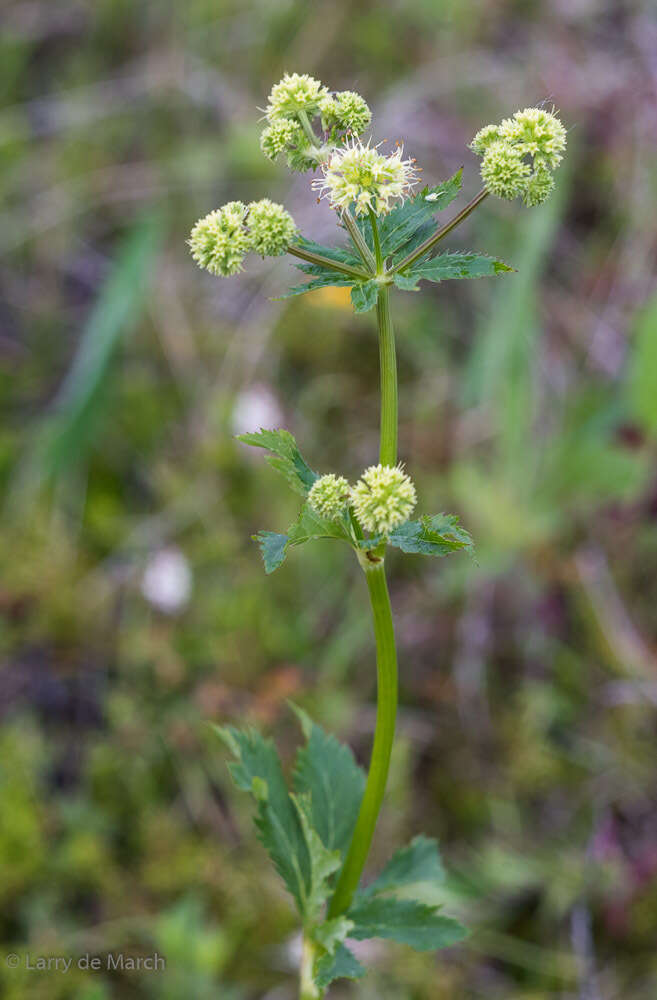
(294, 104)
(382, 499)
(520, 154)
(330, 496)
(361, 175)
(221, 240)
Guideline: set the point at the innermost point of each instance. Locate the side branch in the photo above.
(335, 265)
(440, 233)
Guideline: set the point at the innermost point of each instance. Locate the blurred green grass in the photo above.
(528, 406)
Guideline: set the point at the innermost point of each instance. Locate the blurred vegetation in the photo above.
(134, 606)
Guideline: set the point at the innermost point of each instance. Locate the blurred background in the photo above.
(134, 604)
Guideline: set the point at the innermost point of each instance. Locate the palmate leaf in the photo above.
(436, 535)
(325, 770)
(364, 295)
(323, 863)
(451, 265)
(309, 526)
(258, 770)
(402, 229)
(417, 863)
(343, 964)
(404, 920)
(286, 457)
(273, 547)
(325, 279)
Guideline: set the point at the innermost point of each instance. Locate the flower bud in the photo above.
(219, 241)
(330, 496)
(383, 498)
(539, 187)
(346, 111)
(271, 228)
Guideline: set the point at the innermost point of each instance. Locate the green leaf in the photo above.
(457, 265)
(309, 526)
(323, 863)
(419, 862)
(273, 547)
(323, 280)
(404, 920)
(407, 282)
(286, 458)
(436, 535)
(342, 965)
(364, 295)
(343, 255)
(325, 770)
(258, 770)
(331, 933)
(411, 222)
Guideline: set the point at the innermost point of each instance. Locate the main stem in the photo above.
(386, 653)
(386, 712)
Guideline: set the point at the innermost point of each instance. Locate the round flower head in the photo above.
(519, 154)
(537, 133)
(504, 171)
(219, 241)
(280, 136)
(383, 498)
(294, 93)
(271, 228)
(330, 495)
(539, 187)
(484, 137)
(346, 111)
(360, 174)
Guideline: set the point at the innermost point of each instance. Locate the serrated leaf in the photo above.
(436, 535)
(323, 863)
(326, 770)
(411, 865)
(364, 295)
(273, 547)
(343, 255)
(331, 933)
(324, 280)
(286, 458)
(404, 920)
(407, 282)
(404, 228)
(342, 965)
(258, 770)
(457, 265)
(309, 526)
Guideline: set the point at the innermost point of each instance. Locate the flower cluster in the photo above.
(520, 154)
(383, 498)
(330, 495)
(293, 104)
(220, 241)
(360, 175)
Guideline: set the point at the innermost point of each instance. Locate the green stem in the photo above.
(386, 711)
(315, 258)
(388, 376)
(440, 233)
(307, 988)
(308, 129)
(377, 242)
(358, 240)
